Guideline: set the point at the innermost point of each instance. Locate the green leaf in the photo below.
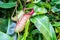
(1, 2)
(56, 24)
(57, 29)
(44, 4)
(52, 32)
(53, 2)
(30, 5)
(36, 1)
(58, 6)
(35, 31)
(3, 25)
(39, 10)
(54, 9)
(8, 5)
(42, 24)
(4, 36)
(57, 2)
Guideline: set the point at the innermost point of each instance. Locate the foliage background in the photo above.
(47, 12)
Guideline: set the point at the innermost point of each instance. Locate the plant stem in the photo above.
(14, 10)
(18, 36)
(8, 21)
(25, 3)
(26, 30)
(21, 6)
(31, 1)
